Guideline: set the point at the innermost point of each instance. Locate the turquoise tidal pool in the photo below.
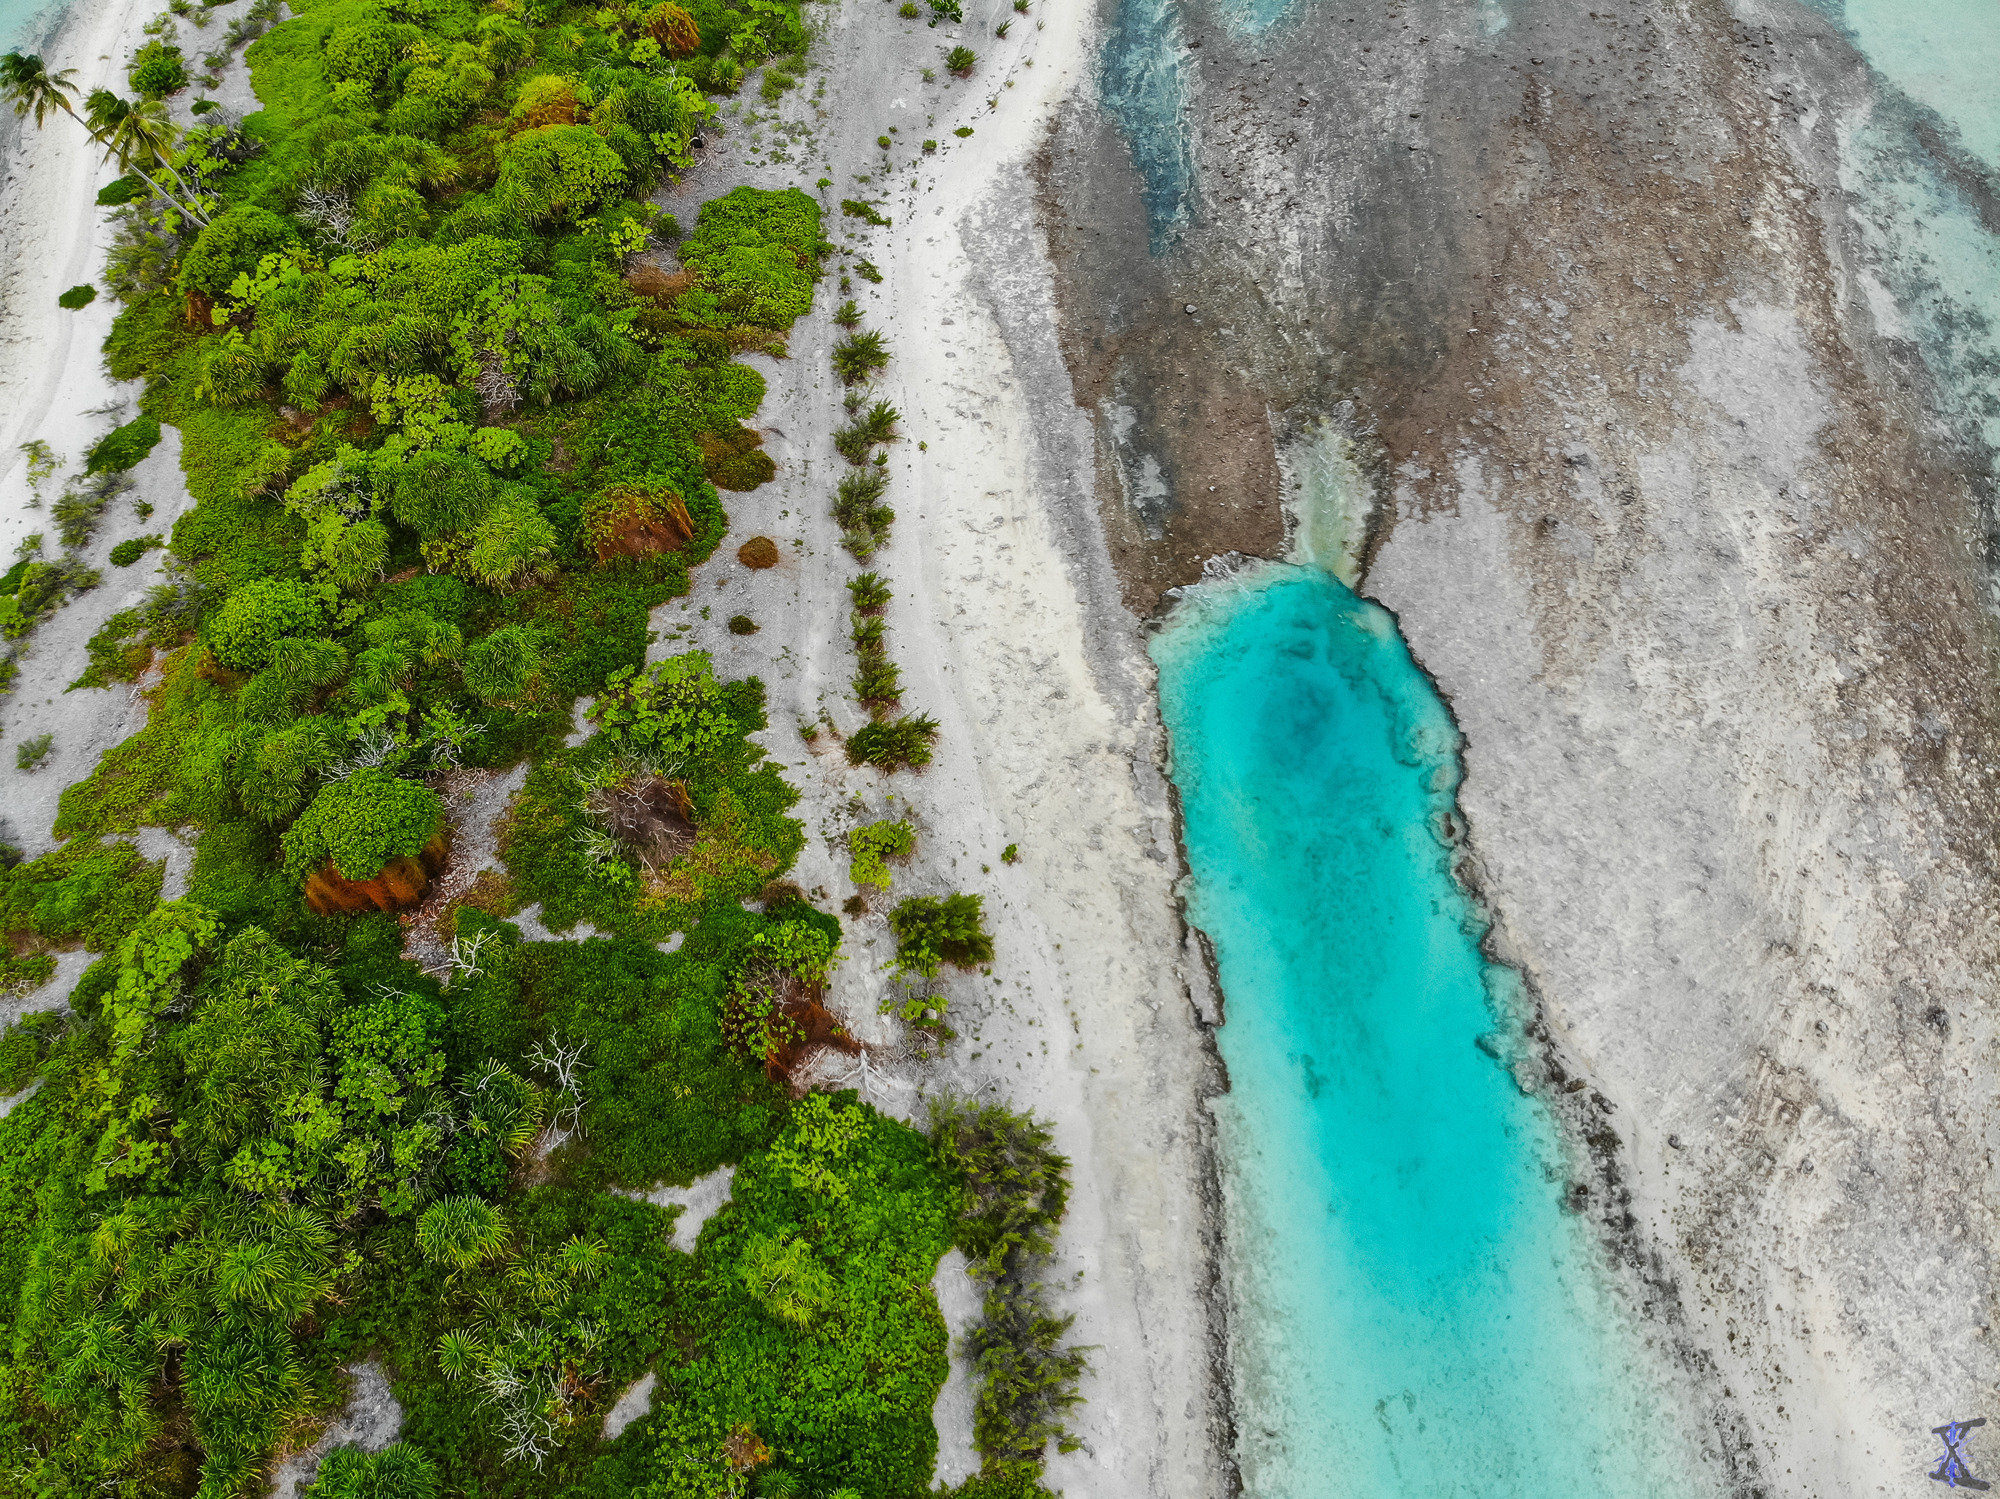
(1414, 1313)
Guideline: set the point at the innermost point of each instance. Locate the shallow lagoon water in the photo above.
(1415, 1313)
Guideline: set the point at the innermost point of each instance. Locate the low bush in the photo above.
(878, 685)
(873, 845)
(960, 61)
(859, 356)
(894, 743)
(869, 593)
(133, 548)
(863, 519)
(361, 824)
(77, 297)
(157, 70)
(757, 553)
(1014, 1191)
(742, 624)
(868, 213)
(30, 753)
(122, 447)
(932, 931)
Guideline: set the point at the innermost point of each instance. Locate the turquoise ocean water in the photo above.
(1415, 1313)
(16, 17)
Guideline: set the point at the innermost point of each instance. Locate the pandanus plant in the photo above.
(135, 136)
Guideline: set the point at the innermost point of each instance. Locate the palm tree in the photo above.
(32, 89)
(134, 136)
(137, 136)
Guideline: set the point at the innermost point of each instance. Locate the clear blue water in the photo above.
(15, 16)
(1415, 1314)
(1934, 67)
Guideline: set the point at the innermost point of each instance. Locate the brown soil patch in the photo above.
(398, 887)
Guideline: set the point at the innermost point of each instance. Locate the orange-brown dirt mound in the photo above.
(399, 886)
(758, 552)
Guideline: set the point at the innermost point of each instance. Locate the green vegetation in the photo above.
(157, 70)
(77, 297)
(360, 824)
(869, 593)
(858, 510)
(452, 434)
(742, 624)
(932, 931)
(1014, 1190)
(30, 753)
(858, 356)
(866, 212)
(960, 61)
(133, 548)
(122, 447)
(873, 845)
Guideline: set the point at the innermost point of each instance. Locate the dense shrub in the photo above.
(894, 744)
(932, 930)
(123, 447)
(260, 614)
(362, 823)
(77, 297)
(558, 172)
(157, 70)
(231, 245)
(396, 1472)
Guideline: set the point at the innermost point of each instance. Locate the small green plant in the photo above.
(909, 11)
(869, 592)
(960, 61)
(873, 845)
(460, 1232)
(398, 1472)
(963, 131)
(860, 437)
(883, 142)
(893, 744)
(1002, 29)
(932, 931)
(865, 269)
(77, 296)
(929, 147)
(120, 191)
(878, 684)
(847, 314)
(1021, 6)
(128, 552)
(946, 10)
(30, 753)
(44, 463)
(858, 510)
(858, 356)
(855, 208)
(1011, 854)
(742, 624)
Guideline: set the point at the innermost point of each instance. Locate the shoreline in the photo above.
(53, 236)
